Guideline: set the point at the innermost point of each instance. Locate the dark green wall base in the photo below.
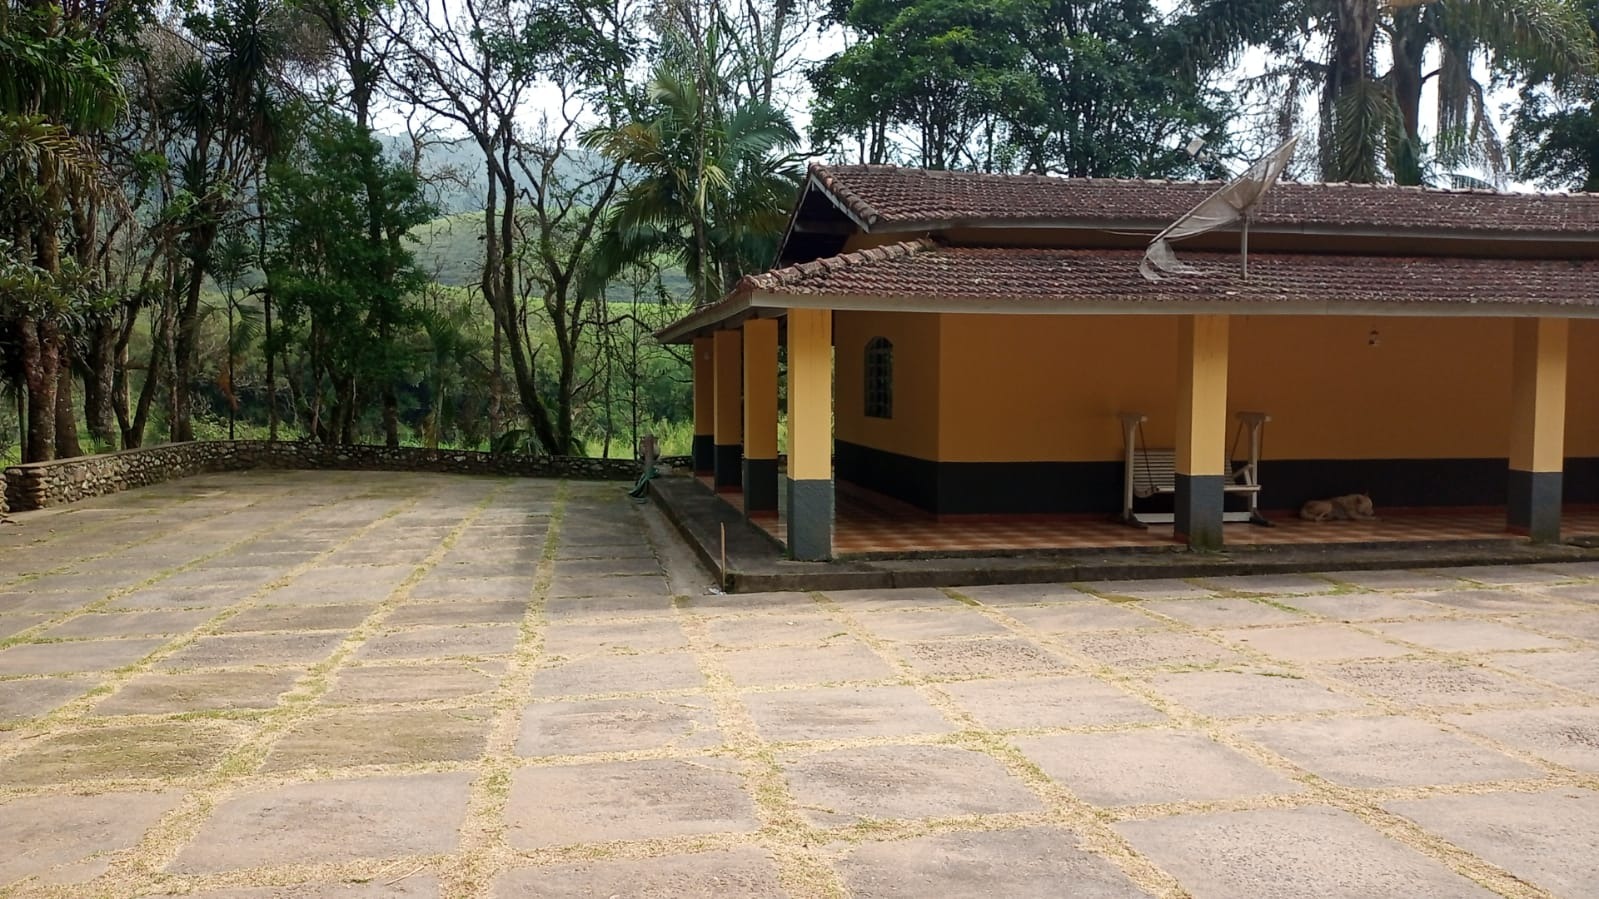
(727, 468)
(810, 520)
(1534, 507)
(704, 453)
(760, 485)
(1054, 488)
(1196, 509)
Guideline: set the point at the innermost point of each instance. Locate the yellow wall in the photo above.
(1435, 388)
(913, 431)
(1019, 388)
(1043, 388)
(1036, 388)
(1582, 390)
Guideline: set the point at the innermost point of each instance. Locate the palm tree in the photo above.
(711, 186)
(1370, 121)
(55, 87)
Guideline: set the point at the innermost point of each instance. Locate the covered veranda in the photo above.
(818, 512)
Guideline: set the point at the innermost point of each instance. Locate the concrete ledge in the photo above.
(755, 562)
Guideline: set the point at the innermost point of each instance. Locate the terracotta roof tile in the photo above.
(888, 197)
(921, 269)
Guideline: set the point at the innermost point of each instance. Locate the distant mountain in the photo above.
(457, 178)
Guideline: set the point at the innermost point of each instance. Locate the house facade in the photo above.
(969, 344)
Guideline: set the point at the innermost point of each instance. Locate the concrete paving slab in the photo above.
(1048, 702)
(1007, 595)
(1583, 593)
(1493, 601)
(11, 625)
(745, 872)
(1433, 682)
(1572, 669)
(845, 659)
(1221, 612)
(415, 886)
(579, 585)
(34, 696)
(100, 751)
(130, 624)
(1133, 649)
(1466, 636)
(1366, 606)
(1565, 736)
(172, 694)
(46, 603)
(981, 657)
(1505, 575)
(851, 786)
(239, 650)
(928, 624)
(68, 839)
(440, 642)
(352, 737)
(75, 656)
(591, 567)
(1385, 752)
(1317, 643)
(476, 611)
(1549, 839)
(1251, 692)
(1270, 584)
(639, 800)
(1027, 863)
(1580, 625)
(163, 597)
(1302, 853)
(1151, 766)
(844, 713)
(330, 821)
(1154, 588)
(342, 617)
(1394, 579)
(582, 727)
(459, 588)
(571, 639)
(788, 626)
(566, 608)
(593, 675)
(414, 682)
(1093, 615)
(912, 598)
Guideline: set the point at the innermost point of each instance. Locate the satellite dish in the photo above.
(1234, 202)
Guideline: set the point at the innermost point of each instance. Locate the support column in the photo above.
(810, 434)
(760, 415)
(704, 406)
(1538, 423)
(1201, 429)
(729, 388)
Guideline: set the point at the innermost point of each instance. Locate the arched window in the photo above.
(879, 378)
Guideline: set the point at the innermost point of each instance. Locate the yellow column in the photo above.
(1538, 427)
(810, 434)
(729, 386)
(704, 405)
(1201, 429)
(760, 415)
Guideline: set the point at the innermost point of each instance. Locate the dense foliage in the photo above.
(415, 221)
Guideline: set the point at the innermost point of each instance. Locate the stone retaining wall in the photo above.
(42, 484)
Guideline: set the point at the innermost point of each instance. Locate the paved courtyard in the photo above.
(374, 685)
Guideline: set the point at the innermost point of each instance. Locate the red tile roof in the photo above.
(891, 198)
(923, 270)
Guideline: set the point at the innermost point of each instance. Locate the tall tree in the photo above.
(1554, 139)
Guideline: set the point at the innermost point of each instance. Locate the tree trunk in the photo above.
(188, 337)
(391, 416)
(67, 446)
(100, 384)
(40, 358)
